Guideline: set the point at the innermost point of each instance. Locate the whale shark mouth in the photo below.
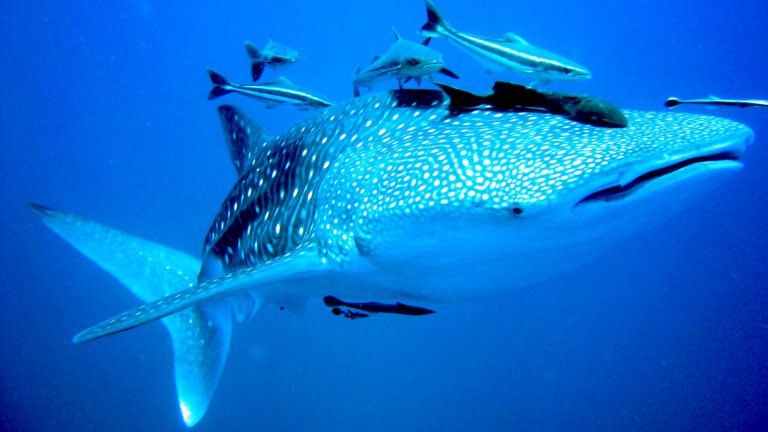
(728, 159)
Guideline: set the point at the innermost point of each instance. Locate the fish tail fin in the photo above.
(435, 22)
(252, 51)
(256, 69)
(257, 60)
(200, 335)
(220, 85)
(355, 87)
(461, 98)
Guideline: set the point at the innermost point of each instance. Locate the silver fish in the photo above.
(274, 55)
(715, 101)
(403, 61)
(272, 93)
(393, 196)
(509, 53)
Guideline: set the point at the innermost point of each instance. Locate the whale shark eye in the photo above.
(515, 209)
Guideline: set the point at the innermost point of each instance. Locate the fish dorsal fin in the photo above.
(425, 42)
(511, 37)
(245, 139)
(713, 97)
(252, 50)
(397, 35)
(281, 81)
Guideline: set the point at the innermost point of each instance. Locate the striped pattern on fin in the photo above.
(302, 260)
(244, 137)
(200, 335)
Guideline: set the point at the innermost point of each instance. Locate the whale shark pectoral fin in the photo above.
(200, 335)
(300, 261)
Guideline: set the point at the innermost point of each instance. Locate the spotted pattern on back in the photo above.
(270, 211)
(487, 161)
(341, 175)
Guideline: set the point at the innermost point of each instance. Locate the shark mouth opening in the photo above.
(615, 193)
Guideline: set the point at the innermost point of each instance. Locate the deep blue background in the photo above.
(104, 114)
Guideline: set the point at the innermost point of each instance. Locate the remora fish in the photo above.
(511, 52)
(272, 93)
(404, 60)
(389, 196)
(507, 96)
(715, 101)
(274, 55)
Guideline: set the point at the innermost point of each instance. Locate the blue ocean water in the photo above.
(104, 114)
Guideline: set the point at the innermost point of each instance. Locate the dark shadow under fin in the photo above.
(376, 307)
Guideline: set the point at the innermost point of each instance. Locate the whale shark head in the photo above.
(515, 196)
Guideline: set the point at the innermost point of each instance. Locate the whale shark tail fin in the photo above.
(200, 335)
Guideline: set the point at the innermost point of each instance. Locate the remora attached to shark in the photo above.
(389, 196)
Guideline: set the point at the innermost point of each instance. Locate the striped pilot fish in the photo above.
(508, 53)
(271, 94)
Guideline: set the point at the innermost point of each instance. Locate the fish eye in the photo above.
(412, 62)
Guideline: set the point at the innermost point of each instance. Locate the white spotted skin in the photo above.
(271, 209)
(425, 204)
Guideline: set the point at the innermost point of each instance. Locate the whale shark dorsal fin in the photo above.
(511, 37)
(245, 139)
(200, 335)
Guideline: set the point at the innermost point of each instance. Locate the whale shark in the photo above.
(394, 196)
